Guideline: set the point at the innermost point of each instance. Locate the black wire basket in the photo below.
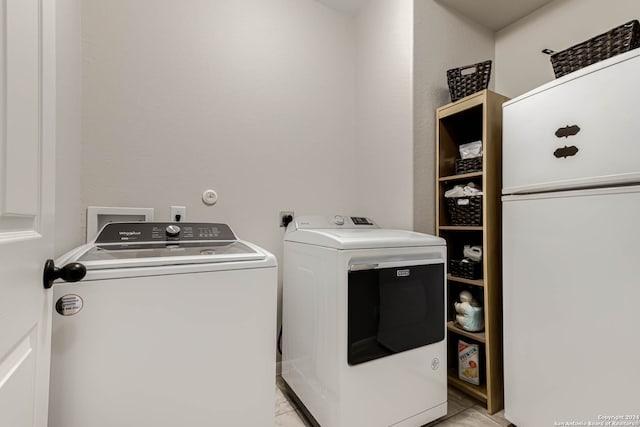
(473, 164)
(467, 80)
(465, 210)
(465, 269)
(614, 42)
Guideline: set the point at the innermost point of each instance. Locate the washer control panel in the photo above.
(125, 232)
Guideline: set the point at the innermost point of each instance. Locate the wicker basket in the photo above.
(467, 270)
(465, 210)
(473, 164)
(463, 83)
(614, 42)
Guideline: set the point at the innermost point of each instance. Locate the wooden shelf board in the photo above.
(461, 227)
(478, 336)
(460, 177)
(466, 103)
(477, 391)
(476, 282)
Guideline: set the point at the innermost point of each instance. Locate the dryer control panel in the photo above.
(333, 221)
(129, 232)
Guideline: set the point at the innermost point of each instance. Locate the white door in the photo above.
(27, 156)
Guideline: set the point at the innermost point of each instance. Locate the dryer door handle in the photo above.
(71, 272)
(361, 267)
(409, 262)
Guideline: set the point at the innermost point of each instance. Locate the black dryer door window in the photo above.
(391, 310)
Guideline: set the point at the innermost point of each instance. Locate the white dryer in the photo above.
(364, 331)
(173, 325)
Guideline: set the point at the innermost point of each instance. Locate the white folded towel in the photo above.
(463, 191)
(474, 253)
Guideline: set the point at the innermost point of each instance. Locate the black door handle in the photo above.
(567, 131)
(565, 151)
(71, 272)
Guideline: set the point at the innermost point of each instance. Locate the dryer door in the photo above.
(394, 309)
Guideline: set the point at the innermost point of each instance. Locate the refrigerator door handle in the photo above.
(565, 152)
(567, 131)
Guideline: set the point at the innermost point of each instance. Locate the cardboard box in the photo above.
(469, 362)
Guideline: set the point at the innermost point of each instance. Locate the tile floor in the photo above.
(463, 411)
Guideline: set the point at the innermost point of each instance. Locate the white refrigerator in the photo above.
(571, 249)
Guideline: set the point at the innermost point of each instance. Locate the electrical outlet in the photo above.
(178, 213)
(286, 217)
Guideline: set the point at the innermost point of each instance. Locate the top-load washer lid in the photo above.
(147, 244)
(345, 232)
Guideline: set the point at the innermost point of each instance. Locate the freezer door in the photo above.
(575, 132)
(571, 293)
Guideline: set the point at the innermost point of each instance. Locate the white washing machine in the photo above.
(364, 323)
(173, 325)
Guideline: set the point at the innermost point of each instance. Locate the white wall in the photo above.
(272, 94)
(384, 57)
(443, 40)
(253, 99)
(69, 127)
(560, 24)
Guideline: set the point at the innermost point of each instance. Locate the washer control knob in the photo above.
(338, 220)
(172, 230)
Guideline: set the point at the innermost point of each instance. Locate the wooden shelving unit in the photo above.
(476, 117)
